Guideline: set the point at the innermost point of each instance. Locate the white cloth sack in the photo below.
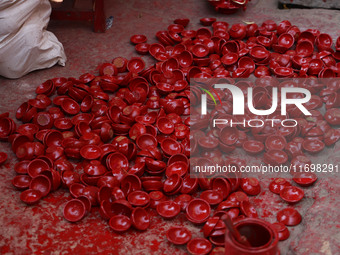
(25, 45)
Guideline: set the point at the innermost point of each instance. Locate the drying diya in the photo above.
(74, 210)
(178, 235)
(289, 217)
(198, 211)
(168, 209)
(292, 194)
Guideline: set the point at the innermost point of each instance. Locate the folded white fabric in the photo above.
(25, 44)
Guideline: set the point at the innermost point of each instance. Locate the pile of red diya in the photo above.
(128, 129)
(229, 6)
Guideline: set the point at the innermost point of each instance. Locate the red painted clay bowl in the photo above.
(41, 183)
(132, 181)
(283, 26)
(74, 210)
(120, 223)
(246, 62)
(170, 147)
(3, 157)
(209, 226)
(304, 48)
(259, 53)
(21, 181)
(178, 235)
(108, 181)
(146, 140)
(238, 196)
(104, 193)
(305, 179)
(221, 185)
(190, 185)
(207, 21)
(154, 165)
(118, 194)
(156, 48)
(95, 168)
(165, 125)
(46, 88)
(313, 146)
(315, 66)
(208, 142)
(168, 209)
(213, 197)
(229, 58)
(283, 72)
(324, 42)
(253, 147)
(200, 50)
(53, 138)
(179, 167)
(277, 185)
(91, 151)
(307, 36)
(185, 59)
(63, 124)
(121, 207)
(264, 41)
(248, 209)
(282, 231)
(300, 161)
(177, 28)
(28, 129)
(262, 71)
(183, 201)
(70, 106)
(238, 31)
(220, 24)
(156, 197)
(275, 142)
(86, 202)
(139, 198)
(117, 162)
(292, 194)
(332, 116)
(178, 157)
(76, 189)
(198, 211)
(189, 33)
(136, 65)
(140, 219)
(106, 69)
(172, 184)
(289, 217)
(183, 21)
(275, 157)
(142, 48)
(19, 139)
(286, 40)
(251, 186)
(136, 39)
(203, 32)
(199, 246)
(229, 135)
(21, 167)
(30, 196)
